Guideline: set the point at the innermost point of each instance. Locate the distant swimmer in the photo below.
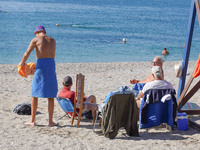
(124, 40)
(165, 52)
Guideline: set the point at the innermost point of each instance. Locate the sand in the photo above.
(100, 79)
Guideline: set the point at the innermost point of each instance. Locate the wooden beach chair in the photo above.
(78, 101)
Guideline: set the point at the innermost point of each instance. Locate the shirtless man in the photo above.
(157, 61)
(44, 84)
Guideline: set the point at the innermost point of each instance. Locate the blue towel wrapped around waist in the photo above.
(44, 82)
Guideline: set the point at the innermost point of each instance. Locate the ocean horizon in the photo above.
(92, 31)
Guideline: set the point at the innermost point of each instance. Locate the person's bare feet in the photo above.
(30, 123)
(53, 124)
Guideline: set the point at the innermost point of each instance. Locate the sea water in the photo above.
(92, 30)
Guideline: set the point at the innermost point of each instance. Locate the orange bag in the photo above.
(32, 67)
(27, 69)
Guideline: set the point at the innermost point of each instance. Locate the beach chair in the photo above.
(138, 87)
(189, 108)
(66, 106)
(120, 111)
(187, 93)
(158, 108)
(78, 101)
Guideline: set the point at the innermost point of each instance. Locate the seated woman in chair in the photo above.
(67, 93)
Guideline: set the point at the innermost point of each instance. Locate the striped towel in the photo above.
(190, 106)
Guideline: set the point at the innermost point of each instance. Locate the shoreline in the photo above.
(100, 79)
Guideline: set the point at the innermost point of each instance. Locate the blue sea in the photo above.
(92, 30)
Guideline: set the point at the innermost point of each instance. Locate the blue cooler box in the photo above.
(182, 121)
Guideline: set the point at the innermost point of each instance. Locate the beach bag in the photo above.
(23, 109)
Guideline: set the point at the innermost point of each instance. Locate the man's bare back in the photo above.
(45, 47)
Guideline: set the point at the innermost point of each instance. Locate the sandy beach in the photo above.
(100, 79)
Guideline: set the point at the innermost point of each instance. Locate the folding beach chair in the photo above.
(137, 88)
(66, 106)
(78, 101)
(155, 112)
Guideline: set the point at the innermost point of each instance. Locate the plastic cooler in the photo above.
(182, 121)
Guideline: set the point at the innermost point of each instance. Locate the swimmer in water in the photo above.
(165, 52)
(124, 40)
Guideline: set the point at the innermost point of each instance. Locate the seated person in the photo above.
(67, 93)
(158, 83)
(139, 84)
